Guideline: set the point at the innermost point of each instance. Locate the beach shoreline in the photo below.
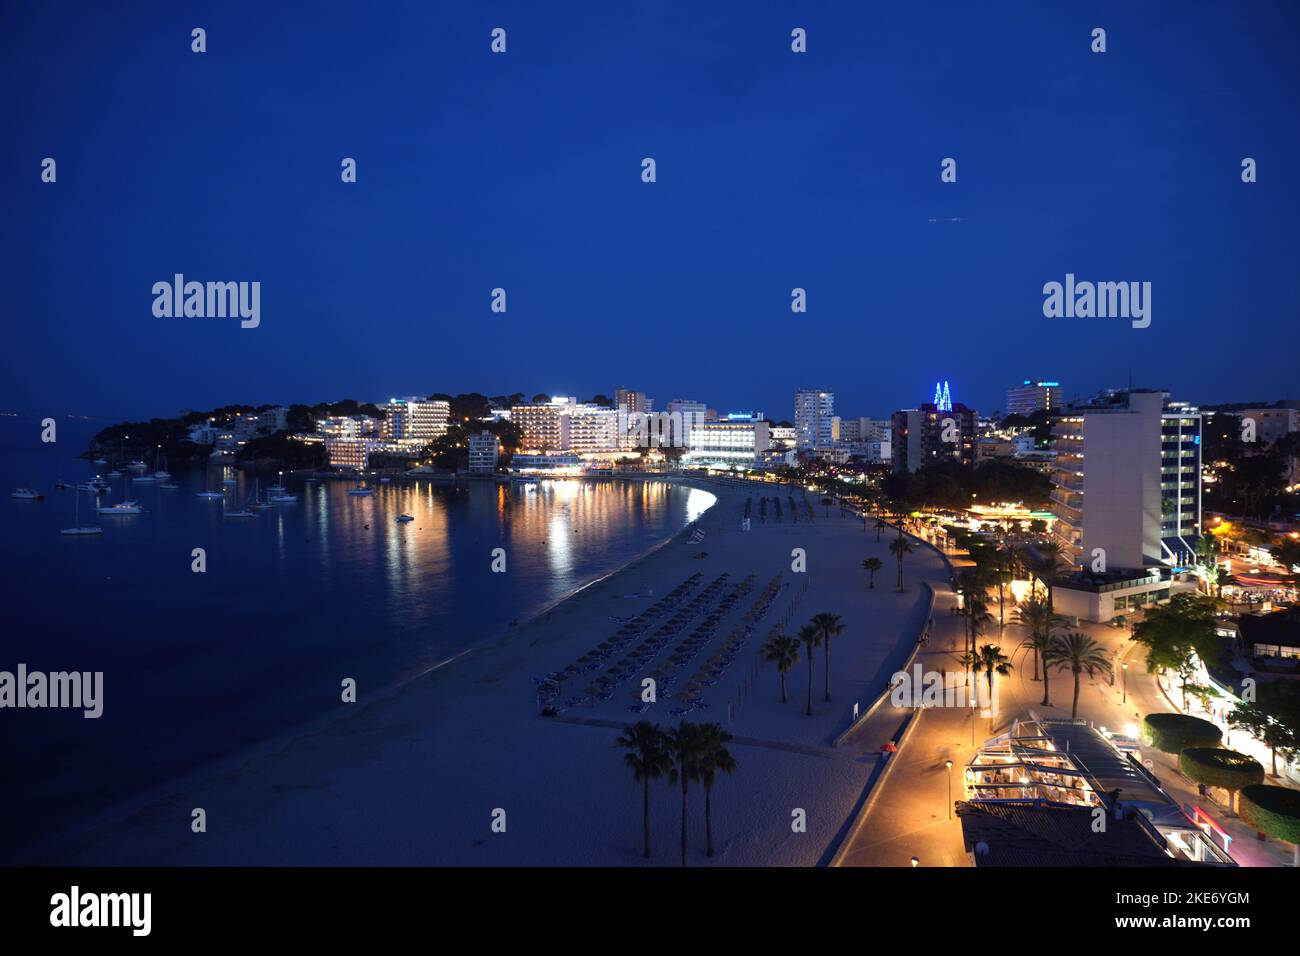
(55, 844)
(464, 738)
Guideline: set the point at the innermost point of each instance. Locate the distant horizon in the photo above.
(777, 172)
(659, 403)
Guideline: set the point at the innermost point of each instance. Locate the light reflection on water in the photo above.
(294, 599)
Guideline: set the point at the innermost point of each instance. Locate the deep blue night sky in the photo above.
(775, 170)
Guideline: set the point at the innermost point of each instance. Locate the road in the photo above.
(909, 816)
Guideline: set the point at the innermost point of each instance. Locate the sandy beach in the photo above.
(418, 777)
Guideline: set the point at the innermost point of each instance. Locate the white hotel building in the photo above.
(734, 442)
(565, 425)
(416, 419)
(1126, 492)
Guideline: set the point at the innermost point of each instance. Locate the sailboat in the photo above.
(210, 494)
(162, 473)
(80, 528)
(278, 494)
(26, 494)
(227, 513)
(257, 504)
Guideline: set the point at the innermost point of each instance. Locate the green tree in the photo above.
(648, 758)
(686, 745)
(1174, 733)
(1078, 653)
(1035, 616)
(899, 548)
(993, 661)
(810, 637)
(872, 565)
(1274, 811)
(829, 625)
(714, 758)
(1178, 636)
(783, 651)
(1217, 767)
(1273, 719)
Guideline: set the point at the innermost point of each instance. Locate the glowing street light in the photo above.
(1124, 668)
(948, 764)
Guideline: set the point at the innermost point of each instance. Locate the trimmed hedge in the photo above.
(1272, 810)
(1174, 733)
(1216, 767)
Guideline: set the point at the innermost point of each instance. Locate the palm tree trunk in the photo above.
(1074, 711)
(809, 710)
(783, 697)
(900, 572)
(873, 580)
(708, 819)
(1046, 687)
(827, 675)
(1034, 648)
(683, 816)
(645, 814)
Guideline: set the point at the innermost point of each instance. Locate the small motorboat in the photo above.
(210, 494)
(403, 519)
(361, 492)
(26, 494)
(126, 507)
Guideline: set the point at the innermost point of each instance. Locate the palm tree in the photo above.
(1048, 567)
(1006, 570)
(872, 565)
(993, 661)
(1079, 653)
(714, 757)
(685, 745)
(783, 651)
(649, 759)
(810, 636)
(830, 626)
(898, 548)
(881, 525)
(1036, 617)
(977, 618)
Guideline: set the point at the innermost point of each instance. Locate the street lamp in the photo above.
(948, 764)
(915, 863)
(1124, 668)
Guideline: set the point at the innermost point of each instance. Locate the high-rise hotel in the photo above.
(415, 419)
(1127, 499)
(814, 414)
(1030, 396)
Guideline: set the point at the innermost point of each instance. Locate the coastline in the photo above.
(57, 843)
(457, 741)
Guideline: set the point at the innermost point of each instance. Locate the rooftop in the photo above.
(1037, 833)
